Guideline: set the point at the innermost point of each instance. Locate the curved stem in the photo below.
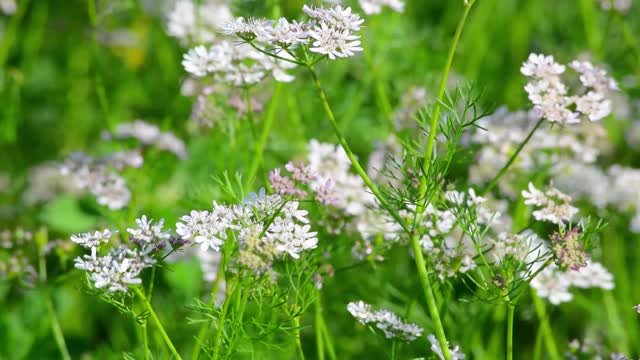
(354, 161)
(156, 320)
(510, 313)
(506, 166)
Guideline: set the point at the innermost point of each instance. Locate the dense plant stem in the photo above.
(513, 157)
(510, 313)
(550, 343)
(354, 161)
(205, 327)
(158, 324)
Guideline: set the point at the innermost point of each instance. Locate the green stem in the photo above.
(221, 321)
(510, 313)
(430, 298)
(327, 339)
(258, 156)
(55, 327)
(203, 333)
(552, 349)
(41, 239)
(415, 241)
(145, 340)
(318, 321)
(443, 84)
(296, 332)
(513, 157)
(354, 161)
(393, 350)
(156, 320)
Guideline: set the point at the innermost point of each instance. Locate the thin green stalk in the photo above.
(203, 333)
(393, 350)
(443, 84)
(145, 340)
(327, 339)
(55, 327)
(547, 333)
(258, 156)
(510, 313)
(156, 320)
(354, 161)
(513, 157)
(430, 298)
(318, 322)
(296, 332)
(221, 321)
(41, 240)
(415, 241)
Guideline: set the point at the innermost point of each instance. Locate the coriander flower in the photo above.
(88, 240)
(550, 95)
(552, 206)
(456, 353)
(390, 324)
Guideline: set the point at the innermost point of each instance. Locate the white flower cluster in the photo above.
(445, 243)
(267, 227)
(89, 240)
(150, 134)
(121, 266)
(616, 187)
(331, 164)
(189, 22)
(117, 270)
(456, 353)
(96, 176)
(387, 321)
(371, 7)
(238, 65)
(550, 95)
(554, 284)
(331, 31)
(552, 147)
(551, 205)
